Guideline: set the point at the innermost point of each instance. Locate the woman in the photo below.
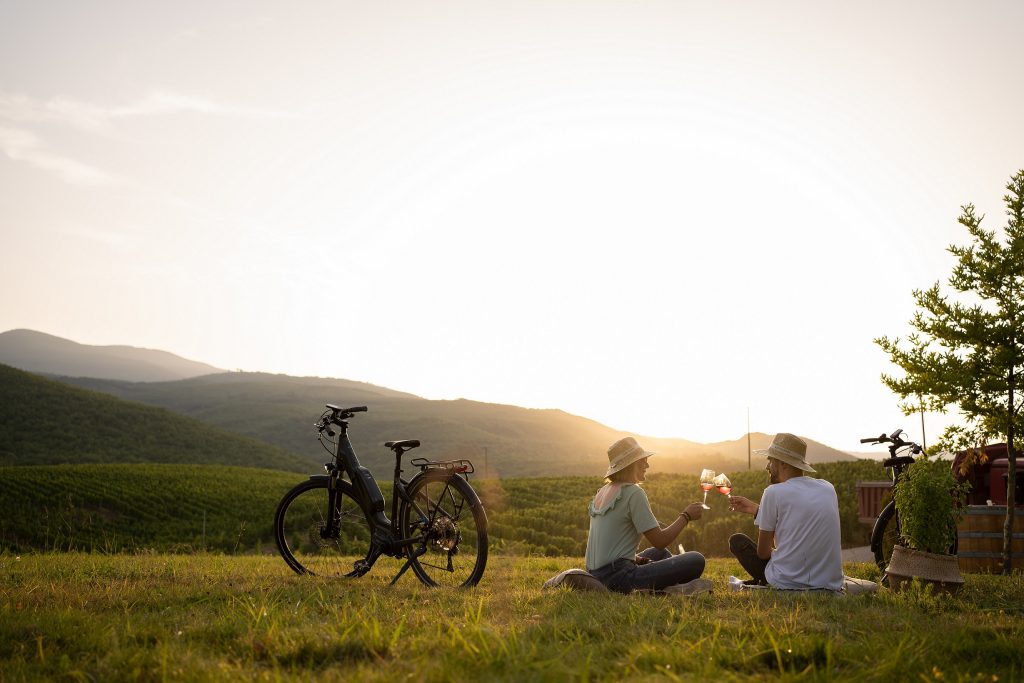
(620, 514)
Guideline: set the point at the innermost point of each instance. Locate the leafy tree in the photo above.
(970, 353)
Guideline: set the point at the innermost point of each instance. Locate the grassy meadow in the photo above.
(96, 617)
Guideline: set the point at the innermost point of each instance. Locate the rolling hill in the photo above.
(44, 422)
(502, 440)
(46, 354)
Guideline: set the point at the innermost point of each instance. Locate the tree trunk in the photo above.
(1011, 483)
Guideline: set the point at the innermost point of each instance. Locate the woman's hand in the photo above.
(741, 504)
(694, 510)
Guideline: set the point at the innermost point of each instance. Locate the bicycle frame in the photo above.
(386, 536)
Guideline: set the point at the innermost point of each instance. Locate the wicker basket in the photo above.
(941, 571)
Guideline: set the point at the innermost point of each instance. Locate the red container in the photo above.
(980, 475)
(998, 474)
(872, 496)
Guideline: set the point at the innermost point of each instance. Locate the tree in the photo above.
(970, 353)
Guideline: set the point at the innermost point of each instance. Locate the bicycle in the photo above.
(333, 526)
(886, 531)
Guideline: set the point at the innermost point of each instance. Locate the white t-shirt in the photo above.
(804, 514)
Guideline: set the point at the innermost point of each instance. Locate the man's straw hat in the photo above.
(624, 453)
(790, 449)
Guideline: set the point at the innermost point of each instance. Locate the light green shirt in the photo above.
(616, 528)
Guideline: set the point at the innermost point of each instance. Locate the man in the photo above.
(798, 543)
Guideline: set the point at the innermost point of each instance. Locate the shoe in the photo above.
(690, 587)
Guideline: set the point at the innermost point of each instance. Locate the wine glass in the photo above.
(723, 484)
(707, 482)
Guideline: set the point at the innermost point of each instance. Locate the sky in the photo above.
(676, 218)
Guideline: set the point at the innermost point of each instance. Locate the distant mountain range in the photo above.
(502, 440)
(45, 354)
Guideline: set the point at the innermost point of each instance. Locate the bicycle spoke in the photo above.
(455, 542)
(309, 543)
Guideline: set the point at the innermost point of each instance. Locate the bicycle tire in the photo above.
(449, 518)
(300, 520)
(885, 534)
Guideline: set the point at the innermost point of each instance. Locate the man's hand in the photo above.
(640, 559)
(741, 504)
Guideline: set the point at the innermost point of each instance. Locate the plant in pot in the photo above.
(929, 504)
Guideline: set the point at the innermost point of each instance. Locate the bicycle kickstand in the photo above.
(412, 556)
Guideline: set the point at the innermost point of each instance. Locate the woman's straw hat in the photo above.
(789, 449)
(624, 453)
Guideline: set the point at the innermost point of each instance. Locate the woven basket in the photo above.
(941, 571)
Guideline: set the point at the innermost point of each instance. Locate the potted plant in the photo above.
(929, 504)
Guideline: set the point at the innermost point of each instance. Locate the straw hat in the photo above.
(790, 449)
(624, 453)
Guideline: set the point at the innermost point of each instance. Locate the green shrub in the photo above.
(929, 503)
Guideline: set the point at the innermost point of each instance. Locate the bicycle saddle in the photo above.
(404, 445)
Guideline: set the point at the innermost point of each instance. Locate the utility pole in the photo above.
(748, 438)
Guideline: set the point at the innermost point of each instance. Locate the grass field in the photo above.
(71, 616)
(129, 507)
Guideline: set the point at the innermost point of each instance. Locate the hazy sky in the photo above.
(653, 214)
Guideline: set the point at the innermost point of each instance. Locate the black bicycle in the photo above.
(886, 532)
(333, 526)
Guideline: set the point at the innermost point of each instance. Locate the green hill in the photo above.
(121, 507)
(281, 410)
(48, 422)
(502, 440)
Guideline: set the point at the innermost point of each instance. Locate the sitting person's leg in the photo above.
(670, 571)
(616, 576)
(745, 550)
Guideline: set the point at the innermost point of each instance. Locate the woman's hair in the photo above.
(625, 475)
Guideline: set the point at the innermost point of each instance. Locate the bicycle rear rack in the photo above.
(463, 467)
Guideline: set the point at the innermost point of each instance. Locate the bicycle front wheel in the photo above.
(450, 524)
(308, 543)
(884, 535)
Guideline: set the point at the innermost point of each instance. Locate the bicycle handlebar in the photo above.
(337, 416)
(336, 409)
(896, 440)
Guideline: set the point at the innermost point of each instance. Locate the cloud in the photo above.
(23, 145)
(94, 117)
(21, 113)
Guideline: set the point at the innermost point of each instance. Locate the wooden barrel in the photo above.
(980, 538)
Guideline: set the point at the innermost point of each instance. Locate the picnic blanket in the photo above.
(851, 586)
(581, 580)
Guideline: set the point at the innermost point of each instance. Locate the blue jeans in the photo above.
(664, 569)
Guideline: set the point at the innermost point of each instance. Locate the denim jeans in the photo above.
(664, 569)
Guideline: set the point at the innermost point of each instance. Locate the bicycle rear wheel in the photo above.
(306, 541)
(884, 535)
(449, 519)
